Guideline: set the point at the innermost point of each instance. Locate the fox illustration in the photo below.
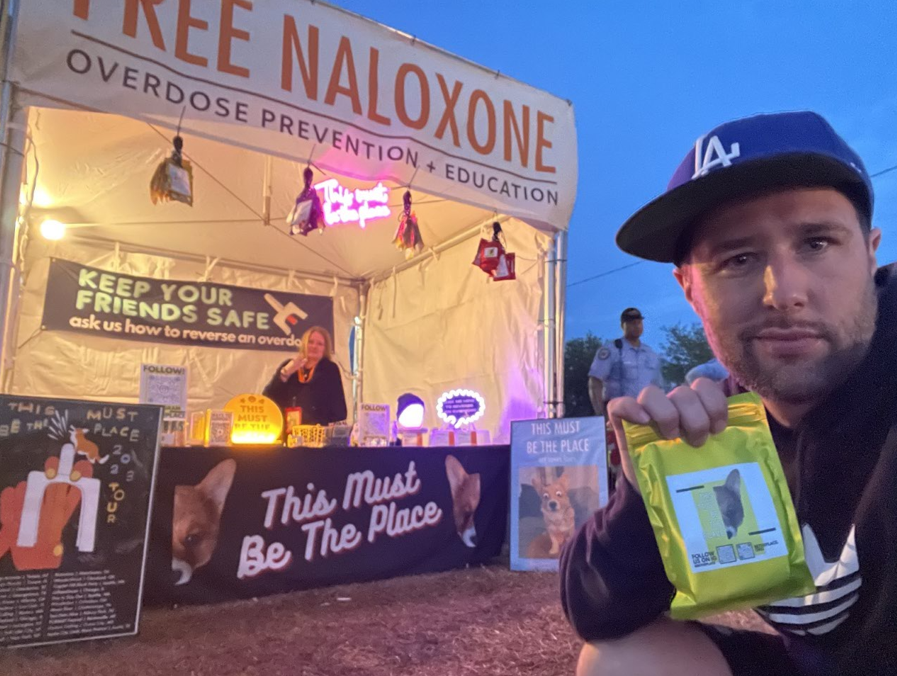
(197, 519)
(465, 499)
(728, 497)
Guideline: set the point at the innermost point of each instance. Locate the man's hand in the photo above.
(690, 413)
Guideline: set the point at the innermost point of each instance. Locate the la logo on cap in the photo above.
(714, 155)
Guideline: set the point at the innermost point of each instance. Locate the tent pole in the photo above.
(13, 159)
(360, 326)
(560, 318)
(266, 190)
(548, 330)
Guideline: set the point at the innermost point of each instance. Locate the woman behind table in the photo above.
(311, 381)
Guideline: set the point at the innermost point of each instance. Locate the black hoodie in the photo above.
(841, 465)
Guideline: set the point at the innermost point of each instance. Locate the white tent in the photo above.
(93, 95)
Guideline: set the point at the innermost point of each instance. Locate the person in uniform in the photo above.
(625, 366)
(622, 368)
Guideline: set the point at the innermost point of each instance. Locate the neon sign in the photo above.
(342, 205)
(460, 407)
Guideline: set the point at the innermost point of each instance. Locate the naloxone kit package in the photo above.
(722, 514)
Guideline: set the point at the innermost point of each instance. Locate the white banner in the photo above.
(304, 80)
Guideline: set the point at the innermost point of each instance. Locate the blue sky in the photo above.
(647, 78)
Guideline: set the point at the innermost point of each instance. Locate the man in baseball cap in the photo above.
(768, 221)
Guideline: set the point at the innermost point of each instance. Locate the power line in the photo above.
(883, 171)
(605, 274)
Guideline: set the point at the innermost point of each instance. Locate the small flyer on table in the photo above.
(221, 424)
(373, 425)
(76, 480)
(558, 480)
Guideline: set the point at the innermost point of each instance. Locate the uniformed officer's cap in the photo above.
(742, 158)
(630, 314)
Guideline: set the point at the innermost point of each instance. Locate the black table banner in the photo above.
(245, 522)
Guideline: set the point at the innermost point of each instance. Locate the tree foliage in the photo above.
(684, 347)
(578, 356)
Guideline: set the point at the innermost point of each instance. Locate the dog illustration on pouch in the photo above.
(728, 497)
(465, 499)
(197, 519)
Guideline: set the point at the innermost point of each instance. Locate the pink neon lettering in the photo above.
(342, 205)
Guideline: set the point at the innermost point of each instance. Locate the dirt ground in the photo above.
(472, 622)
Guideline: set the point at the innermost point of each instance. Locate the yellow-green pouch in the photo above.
(722, 514)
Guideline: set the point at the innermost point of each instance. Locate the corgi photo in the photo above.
(728, 498)
(552, 502)
(197, 519)
(557, 510)
(465, 499)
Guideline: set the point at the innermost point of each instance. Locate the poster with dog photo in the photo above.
(558, 480)
(76, 480)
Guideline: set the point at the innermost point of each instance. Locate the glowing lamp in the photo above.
(460, 407)
(52, 230)
(257, 420)
(410, 411)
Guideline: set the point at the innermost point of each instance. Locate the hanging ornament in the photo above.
(492, 258)
(307, 214)
(173, 179)
(408, 237)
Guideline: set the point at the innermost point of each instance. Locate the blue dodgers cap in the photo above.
(742, 158)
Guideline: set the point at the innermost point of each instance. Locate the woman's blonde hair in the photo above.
(328, 341)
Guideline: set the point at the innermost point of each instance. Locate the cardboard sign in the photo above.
(558, 480)
(76, 480)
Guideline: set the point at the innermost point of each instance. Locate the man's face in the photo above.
(633, 329)
(784, 286)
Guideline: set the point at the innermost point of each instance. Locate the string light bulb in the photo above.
(52, 229)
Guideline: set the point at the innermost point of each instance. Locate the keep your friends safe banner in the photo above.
(113, 305)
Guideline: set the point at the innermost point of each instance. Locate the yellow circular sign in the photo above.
(257, 420)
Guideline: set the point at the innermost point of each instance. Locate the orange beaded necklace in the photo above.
(304, 376)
